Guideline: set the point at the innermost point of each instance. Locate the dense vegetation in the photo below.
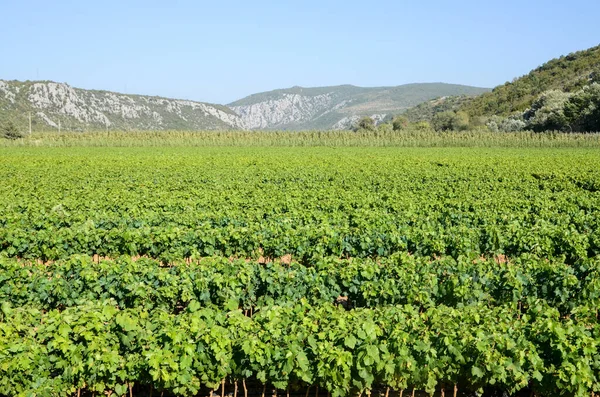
(185, 270)
(395, 133)
(568, 73)
(427, 110)
(561, 95)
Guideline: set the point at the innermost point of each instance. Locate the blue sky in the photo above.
(219, 51)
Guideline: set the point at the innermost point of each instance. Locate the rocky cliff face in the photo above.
(288, 109)
(78, 109)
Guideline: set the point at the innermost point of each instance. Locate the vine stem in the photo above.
(264, 389)
(442, 392)
(235, 388)
(401, 392)
(455, 390)
(387, 392)
(79, 392)
(413, 393)
(130, 389)
(151, 390)
(307, 391)
(245, 388)
(317, 391)
(223, 388)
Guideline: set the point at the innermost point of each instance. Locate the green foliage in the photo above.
(582, 109)
(9, 130)
(567, 73)
(595, 76)
(400, 123)
(365, 123)
(422, 126)
(426, 110)
(450, 121)
(414, 268)
(508, 124)
(547, 113)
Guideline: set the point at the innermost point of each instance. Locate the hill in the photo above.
(76, 109)
(426, 110)
(568, 73)
(336, 107)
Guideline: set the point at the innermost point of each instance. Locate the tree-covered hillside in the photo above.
(426, 110)
(561, 95)
(568, 73)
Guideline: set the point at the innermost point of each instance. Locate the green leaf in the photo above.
(350, 341)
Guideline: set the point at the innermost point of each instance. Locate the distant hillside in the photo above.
(76, 109)
(426, 110)
(567, 73)
(336, 107)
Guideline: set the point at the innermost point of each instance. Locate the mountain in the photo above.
(568, 73)
(51, 103)
(336, 107)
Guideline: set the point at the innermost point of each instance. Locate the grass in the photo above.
(408, 138)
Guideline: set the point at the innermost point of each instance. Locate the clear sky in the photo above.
(220, 51)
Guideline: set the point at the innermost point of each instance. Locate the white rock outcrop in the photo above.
(80, 108)
(288, 109)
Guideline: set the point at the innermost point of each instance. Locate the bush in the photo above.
(422, 126)
(595, 76)
(365, 123)
(399, 123)
(512, 125)
(9, 130)
(385, 128)
(583, 109)
(547, 113)
(451, 121)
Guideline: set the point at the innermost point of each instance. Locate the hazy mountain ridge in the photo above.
(52, 103)
(337, 107)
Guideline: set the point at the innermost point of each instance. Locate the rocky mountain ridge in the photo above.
(337, 107)
(51, 104)
(58, 105)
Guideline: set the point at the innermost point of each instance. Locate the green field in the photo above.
(349, 270)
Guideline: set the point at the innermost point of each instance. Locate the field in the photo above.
(329, 269)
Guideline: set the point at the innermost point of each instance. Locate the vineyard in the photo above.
(306, 271)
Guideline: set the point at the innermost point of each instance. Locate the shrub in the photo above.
(365, 123)
(451, 121)
(385, 128)
(512, 124)
(422, 126)
(583, 109)
(399, 123)
(9, 130)
(547, 112)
